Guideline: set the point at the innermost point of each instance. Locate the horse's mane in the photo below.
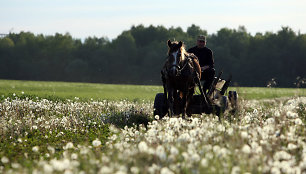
(183, 50)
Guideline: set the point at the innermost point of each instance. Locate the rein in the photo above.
(185, 64)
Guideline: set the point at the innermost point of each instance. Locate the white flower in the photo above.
(60, 165)
(112, 128)
(134, 170)
(160, 152)
(298, 121)
(74, 156)
(276, 114)
(35, 149)
(4, 160)
(204, 162)
(247, 118)
(275, 170)
(174, 150)
(142, 146)
(152, 169)
(47, 155)
(156, 117)
(84, 151)
(120, 172)
(96, 143)
(270, 120)
(291, 114)
(68, 171)
(246, 149)
(34, 127)
(51, 149)
(165, 170)
(244, 134)
(195, 157)
(281, 155)
(69, 145)
(291, 146)
(235, 170)
(230, 131)
(220, 128)
(106, 170)
(48, 168)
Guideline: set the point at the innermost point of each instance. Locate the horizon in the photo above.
(105, 37)
(82, 19)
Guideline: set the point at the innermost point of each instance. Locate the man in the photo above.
(206, 60)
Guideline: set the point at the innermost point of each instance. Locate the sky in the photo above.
(109, 18)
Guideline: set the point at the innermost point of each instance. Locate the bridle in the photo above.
(177, 66)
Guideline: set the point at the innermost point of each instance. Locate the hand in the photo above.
(204, 68)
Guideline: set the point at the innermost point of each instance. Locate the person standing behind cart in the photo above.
(206, 60)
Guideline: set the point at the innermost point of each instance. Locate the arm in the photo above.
(210, 61)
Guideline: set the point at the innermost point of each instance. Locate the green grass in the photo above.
(95, 91)
(86, 91)
(268, 93)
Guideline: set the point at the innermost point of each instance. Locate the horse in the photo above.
(180, 74)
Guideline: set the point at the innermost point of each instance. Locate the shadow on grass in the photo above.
(128, 118)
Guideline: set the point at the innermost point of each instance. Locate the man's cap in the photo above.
(202, 38)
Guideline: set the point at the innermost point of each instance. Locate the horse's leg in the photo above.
(165, 94)
(189, 98)
(170, 101)
(184, 103)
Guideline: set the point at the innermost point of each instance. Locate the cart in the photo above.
(218, 102)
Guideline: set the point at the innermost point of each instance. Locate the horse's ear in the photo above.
(180, 44)
(169, 43)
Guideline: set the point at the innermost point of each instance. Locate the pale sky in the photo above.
(83, 18)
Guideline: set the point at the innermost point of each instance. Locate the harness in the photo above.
(184, 66)
(188, 60)
(180, 69)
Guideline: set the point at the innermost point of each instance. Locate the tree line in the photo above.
(136, 56)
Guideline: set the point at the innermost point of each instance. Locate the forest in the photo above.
(137, 55)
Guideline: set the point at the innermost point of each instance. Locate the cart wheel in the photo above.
(160, 105)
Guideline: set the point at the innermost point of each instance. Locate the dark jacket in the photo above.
(205, 56)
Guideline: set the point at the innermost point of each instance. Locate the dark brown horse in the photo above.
(180, 75)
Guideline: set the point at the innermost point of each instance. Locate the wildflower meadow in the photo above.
(40, 135)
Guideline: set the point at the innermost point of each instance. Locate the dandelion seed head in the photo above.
(166, 170)
(244, 134)
(4, 160)
(48, 168)
(235, 170)
(142, 146)
(69, 145)
(96, 143)
(35, 149)
(135, 170)
(246, 149)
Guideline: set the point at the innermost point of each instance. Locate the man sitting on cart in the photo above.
(206, 60)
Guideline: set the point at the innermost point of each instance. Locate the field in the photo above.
(58, 127)
(87, 91)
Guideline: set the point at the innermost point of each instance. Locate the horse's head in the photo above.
(176, 54)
